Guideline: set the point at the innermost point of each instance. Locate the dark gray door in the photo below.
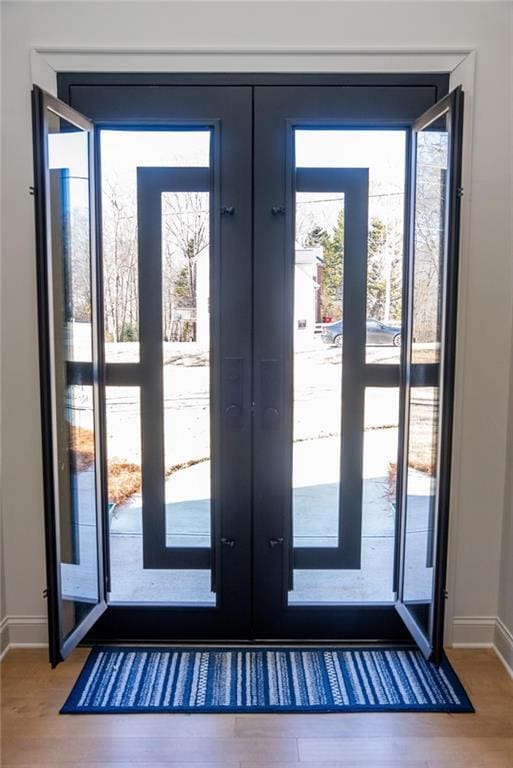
(326, 424)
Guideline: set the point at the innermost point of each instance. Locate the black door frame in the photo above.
(439, 375)
(89, 373)
(389, 110)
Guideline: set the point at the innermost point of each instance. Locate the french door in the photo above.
(243, 311)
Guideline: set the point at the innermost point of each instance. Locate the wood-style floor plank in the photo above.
(34, 734)
(436, 750)
(141, 749)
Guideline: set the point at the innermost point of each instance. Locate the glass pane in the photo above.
(122, 152)
(68, 158)
(427, 300)
(421, 500)
(374, 581)
(77, 519)
(383, 153)
(123, 425)
(317, 405)
(130, 581)
(186, 375)
(429, 242)
(74, 447)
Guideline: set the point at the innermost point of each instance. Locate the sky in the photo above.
(383, 152)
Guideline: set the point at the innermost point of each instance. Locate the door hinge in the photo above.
(460, 192)
(32, 191)
(445, 593)
(45, 593)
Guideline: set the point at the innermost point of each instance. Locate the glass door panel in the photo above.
(317, 373)
(186, 369)
(69, 370)
(383, 152)
(430, 371)
(122, 153)
(159, 474)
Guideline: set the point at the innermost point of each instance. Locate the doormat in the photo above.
(166, 679)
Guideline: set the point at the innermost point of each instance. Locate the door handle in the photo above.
(271, 417)
(228, 542)
(276, 542)
(270, 393)
(232, 415)
(233, 392)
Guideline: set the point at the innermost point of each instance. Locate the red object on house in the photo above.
(326, 319)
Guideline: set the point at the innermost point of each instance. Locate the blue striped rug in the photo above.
(132, 680)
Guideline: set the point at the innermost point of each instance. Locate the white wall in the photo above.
(504, 629)
(485, 338)
(3, 623)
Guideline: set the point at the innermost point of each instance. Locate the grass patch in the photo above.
(82, 447)
(124, 479)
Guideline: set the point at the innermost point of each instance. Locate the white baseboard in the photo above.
(473, 631)
(4, 637)
(23, 632)
(503, 645)
(484, 632)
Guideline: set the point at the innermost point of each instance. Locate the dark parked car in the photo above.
(378, 334)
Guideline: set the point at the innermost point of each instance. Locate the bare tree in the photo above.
(78, 269)
(185, 237)
(429, 231)
(119, 263)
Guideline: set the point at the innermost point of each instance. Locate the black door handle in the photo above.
(275, 542)
(232, 415)
(228, 542)
(233, 392)
(271, 417)
(270, 393)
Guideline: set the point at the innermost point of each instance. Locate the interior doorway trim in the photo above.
(257, 58)
(458, 60)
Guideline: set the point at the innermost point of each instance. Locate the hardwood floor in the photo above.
(35, 735)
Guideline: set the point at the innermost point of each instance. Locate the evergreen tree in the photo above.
(384, 261)
(376, 278)
(332, 267)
